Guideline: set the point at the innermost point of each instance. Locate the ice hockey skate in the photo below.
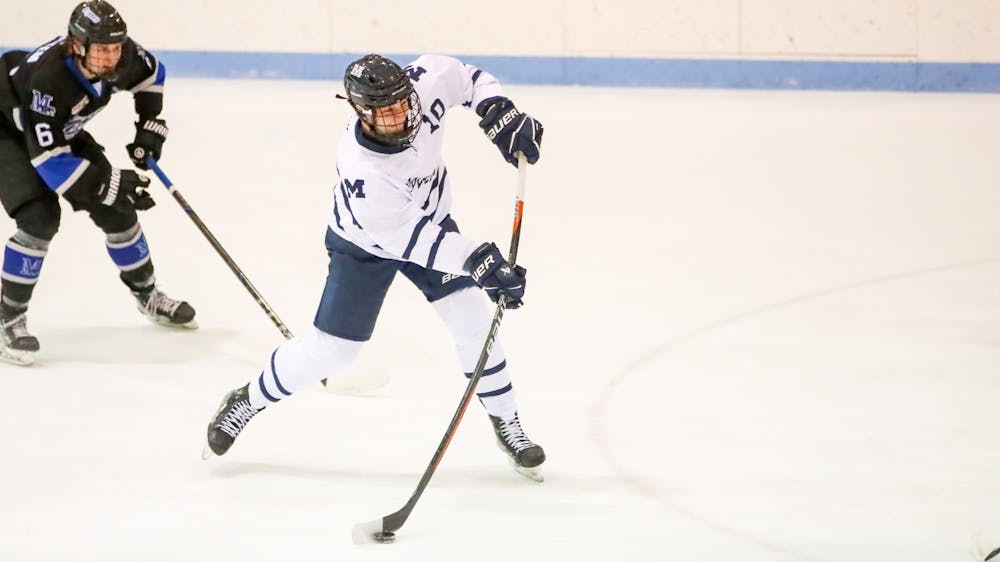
(233, 415)
(163, 310)
(525, 456)
(17, 346)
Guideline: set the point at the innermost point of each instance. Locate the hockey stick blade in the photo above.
(372, 532)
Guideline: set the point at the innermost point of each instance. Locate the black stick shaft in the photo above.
(218, 248)
(392, 522)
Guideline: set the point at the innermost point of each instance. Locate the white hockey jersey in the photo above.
(391, 200)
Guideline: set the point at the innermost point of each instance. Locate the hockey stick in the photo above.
(151, 163)
(383, 530)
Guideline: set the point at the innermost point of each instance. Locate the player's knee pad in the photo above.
(468, 317)
(112, 221)
(328, 349)
(466, 314)
(39, 218)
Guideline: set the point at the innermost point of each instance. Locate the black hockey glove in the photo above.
(149, 137)
(124, 190)
(492, 272)
(511, 130)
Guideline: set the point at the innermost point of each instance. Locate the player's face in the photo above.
(102, 58)
(391, 119)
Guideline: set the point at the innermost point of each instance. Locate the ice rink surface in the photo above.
(760, 327)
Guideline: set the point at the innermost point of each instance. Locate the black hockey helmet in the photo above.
(374, 81)
(96, 21)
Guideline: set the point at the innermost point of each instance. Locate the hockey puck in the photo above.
(384, 537)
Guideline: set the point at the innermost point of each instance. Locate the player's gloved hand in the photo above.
(124, 190)
(149, 137)
(492, 272)
(511, 130)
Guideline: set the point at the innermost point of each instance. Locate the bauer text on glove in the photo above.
(492, 272)
(510, 130)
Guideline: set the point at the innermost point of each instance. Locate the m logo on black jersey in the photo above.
(42, 104)
(355, 189)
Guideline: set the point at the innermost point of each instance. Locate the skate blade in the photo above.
(534, 473)
(192, 325)
(207, 452)
(17, 357)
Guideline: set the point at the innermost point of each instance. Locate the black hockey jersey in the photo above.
(44, 95)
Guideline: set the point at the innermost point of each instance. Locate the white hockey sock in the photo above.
(299, 363)
(468, 318)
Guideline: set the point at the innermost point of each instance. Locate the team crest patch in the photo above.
(42, 104)
(30, 267)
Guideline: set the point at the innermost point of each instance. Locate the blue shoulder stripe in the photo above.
(161, 74)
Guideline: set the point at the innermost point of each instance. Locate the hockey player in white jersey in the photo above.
(390, 213)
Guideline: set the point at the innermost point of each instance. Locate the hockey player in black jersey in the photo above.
(47, 96)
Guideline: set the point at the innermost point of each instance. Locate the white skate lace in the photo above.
(159, 303)
(16, 328)
(237, 418)
(514, 436)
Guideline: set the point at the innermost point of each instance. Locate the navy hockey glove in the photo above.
(149, 137)
(511, 130)
(124, 190)
(491, 272)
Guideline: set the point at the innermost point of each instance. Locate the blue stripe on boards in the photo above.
(629, 72)
(623, 72)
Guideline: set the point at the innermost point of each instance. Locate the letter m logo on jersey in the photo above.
(42, 104)
(355, 189)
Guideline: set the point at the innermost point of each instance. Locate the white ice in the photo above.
(760, 326)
